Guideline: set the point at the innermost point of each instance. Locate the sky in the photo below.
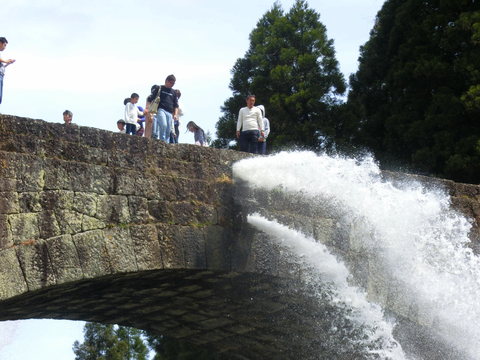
(88, 56)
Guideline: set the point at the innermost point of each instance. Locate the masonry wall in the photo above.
(79, 202)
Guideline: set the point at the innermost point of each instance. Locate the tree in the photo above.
(291, 68)
(110, 342)
(171, 349)
(415, 99)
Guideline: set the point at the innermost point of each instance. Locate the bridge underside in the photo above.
(239, 315)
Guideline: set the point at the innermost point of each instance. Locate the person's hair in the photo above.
(178, 93)
(126, 101)
(171, 78)
(66, 112)
(154, 89)
(250, 95)
(121, 121)
(195, 126)
(3, 40)
(134, 95)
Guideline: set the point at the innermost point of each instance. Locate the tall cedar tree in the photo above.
(416, 95)
(110, 342)
(291, 68)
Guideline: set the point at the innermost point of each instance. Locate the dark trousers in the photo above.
(249, 141)
(130, 129)
(262, 147)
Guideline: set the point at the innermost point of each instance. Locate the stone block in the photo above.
(5, 235)
(160, 211)
(35, 263)
(147, 247)
(56, 175)
(120, 248)
(64, 259)
(85, 203)
(138, 208)
(7, 184)
(24, 227)
(12, 281)
(171, 248)
(48, 225)
(30, 174)
(113, 209)
(69, 222)
(29, 202)
(57, 199)
(92, 253)
(9, 202)
(91, 223)
(193, 241)
(193, 213)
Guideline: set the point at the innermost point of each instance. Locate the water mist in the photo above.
(417, 243)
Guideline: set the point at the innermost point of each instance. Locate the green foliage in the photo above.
(291, 68)
(110, 342)
(415, 99)
(171, 349)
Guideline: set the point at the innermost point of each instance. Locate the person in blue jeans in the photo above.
(167, 109)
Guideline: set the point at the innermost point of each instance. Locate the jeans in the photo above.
(161, 125)
(249, 141)
(262, 147)
(130, 129)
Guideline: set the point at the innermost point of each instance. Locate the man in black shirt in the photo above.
(167, 109)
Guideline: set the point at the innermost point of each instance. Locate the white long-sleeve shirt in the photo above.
(132, 113)
(249, 119)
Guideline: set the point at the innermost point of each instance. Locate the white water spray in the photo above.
(419, 241)
(316, 257)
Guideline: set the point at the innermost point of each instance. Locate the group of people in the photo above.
(160, 118)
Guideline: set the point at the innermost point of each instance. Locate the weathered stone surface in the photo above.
(101, 226)
(64, 258)
(92, 253)
(24, 226)
(35, 264)
(12, 282)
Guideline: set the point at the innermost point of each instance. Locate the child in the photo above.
(131, 114)
(121, 126)
(199, 134)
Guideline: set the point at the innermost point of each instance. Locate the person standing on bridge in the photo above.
(167, 109)
(3, 64)
(249, 126)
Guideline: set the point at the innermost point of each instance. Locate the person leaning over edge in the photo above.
(249, 126)
(3, 64)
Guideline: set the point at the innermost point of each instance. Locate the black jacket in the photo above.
(168, 98)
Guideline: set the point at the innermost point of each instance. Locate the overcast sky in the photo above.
(87, 56)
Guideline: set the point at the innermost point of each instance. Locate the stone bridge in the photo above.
(100, 226)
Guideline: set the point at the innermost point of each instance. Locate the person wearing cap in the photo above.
(121, 126)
